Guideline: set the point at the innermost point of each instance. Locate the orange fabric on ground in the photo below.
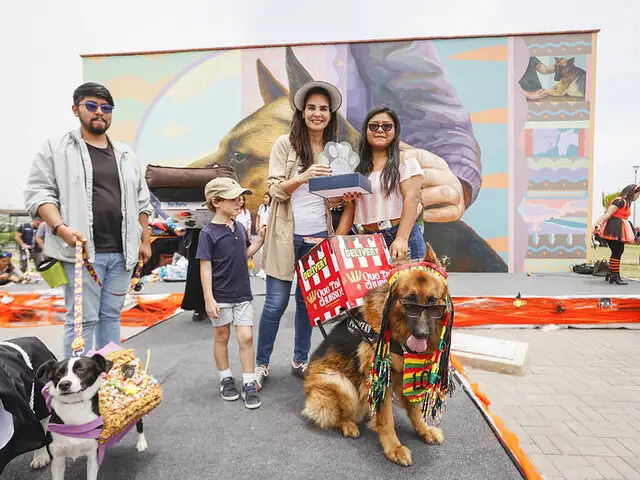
(479, 311)
(32, 309)
(509, 438)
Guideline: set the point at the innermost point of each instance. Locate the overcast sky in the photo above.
(40, 43)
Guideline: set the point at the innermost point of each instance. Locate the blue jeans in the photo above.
(277, 299)
(417, 246)
(100, 310)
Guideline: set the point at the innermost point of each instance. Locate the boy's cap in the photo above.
(224, 187)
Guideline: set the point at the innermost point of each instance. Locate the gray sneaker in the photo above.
(262, 372)
(299, 370)
(250, 396)
(228, 390)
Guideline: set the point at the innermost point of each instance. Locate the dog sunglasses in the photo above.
(386, 127)
(93, 107)
(6, 254)
(434, 311)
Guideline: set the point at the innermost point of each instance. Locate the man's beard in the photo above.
(95, 129)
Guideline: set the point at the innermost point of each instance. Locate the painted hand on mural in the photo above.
(442, 194)
(409, 77)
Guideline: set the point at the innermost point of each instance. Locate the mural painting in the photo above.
(509, 115)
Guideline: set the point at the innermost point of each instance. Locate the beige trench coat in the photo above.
(278, 255)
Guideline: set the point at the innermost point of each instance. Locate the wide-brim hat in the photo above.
(335, 97)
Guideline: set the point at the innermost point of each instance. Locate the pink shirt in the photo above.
(375, 207)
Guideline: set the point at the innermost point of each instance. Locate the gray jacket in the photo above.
(62, 174)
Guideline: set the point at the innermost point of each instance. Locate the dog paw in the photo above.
(40, 458)
(400, 455)
(350, 429)
(432, 436)
(141, 446)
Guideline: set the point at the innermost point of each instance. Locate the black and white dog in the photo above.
(73, 385)
(23, 411)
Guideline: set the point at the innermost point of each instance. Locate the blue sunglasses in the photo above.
(93, 107)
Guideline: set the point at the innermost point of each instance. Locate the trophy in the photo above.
(343, 161)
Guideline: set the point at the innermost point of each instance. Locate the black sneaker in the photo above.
(250, 396)
(228, 390)
(299, 370)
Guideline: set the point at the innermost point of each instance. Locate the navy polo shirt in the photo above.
(227, 252)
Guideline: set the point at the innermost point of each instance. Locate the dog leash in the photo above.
(82, 260)
(135, 280)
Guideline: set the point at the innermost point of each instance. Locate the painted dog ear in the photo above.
(46, 369)
(270, 88)
(296, 73)
(103, 364)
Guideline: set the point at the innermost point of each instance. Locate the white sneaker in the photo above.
(262, 373)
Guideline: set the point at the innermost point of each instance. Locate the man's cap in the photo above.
(334, 94)
(224, 187)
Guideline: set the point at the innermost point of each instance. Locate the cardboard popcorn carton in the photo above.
(338, 273)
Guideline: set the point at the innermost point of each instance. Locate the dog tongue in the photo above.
(417, 345)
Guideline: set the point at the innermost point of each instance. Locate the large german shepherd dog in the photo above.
(336, 384)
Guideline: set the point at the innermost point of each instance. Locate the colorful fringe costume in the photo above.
(426, 377)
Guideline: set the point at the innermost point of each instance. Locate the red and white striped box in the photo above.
(339, 271)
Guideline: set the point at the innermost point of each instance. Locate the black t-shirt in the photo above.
(107, 202)
(27, 233)
(227, 252)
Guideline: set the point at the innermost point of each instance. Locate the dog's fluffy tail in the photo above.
(331, 399)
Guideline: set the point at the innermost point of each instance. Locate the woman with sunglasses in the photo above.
(297, 218)
(396, 177)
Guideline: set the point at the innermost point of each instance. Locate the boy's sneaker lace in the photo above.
(299, 370)
(262, 372)
(250, 395)
(228, 389)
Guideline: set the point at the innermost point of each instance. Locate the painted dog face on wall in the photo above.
(247, 147)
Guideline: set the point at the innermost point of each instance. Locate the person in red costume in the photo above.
(615, 227)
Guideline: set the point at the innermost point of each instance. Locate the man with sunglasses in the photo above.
(89, 188)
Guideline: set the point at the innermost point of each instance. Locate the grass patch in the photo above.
(629, 266)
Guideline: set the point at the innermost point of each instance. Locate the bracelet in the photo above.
(55, 228)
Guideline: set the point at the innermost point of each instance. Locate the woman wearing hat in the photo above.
(297, 218)
(615, 227)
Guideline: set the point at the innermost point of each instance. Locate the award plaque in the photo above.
(343, 161)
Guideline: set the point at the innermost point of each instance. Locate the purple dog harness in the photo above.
(92, 429)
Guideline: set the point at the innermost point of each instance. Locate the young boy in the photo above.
(223, 249)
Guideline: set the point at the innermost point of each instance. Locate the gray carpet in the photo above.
(194, 434)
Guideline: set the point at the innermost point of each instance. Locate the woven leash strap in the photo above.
(82, 260)
(78, 342)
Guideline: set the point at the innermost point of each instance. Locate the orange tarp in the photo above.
(32, 309)
(478, 311)
(508, 437)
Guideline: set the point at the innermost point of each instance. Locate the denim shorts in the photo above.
(417, 246)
